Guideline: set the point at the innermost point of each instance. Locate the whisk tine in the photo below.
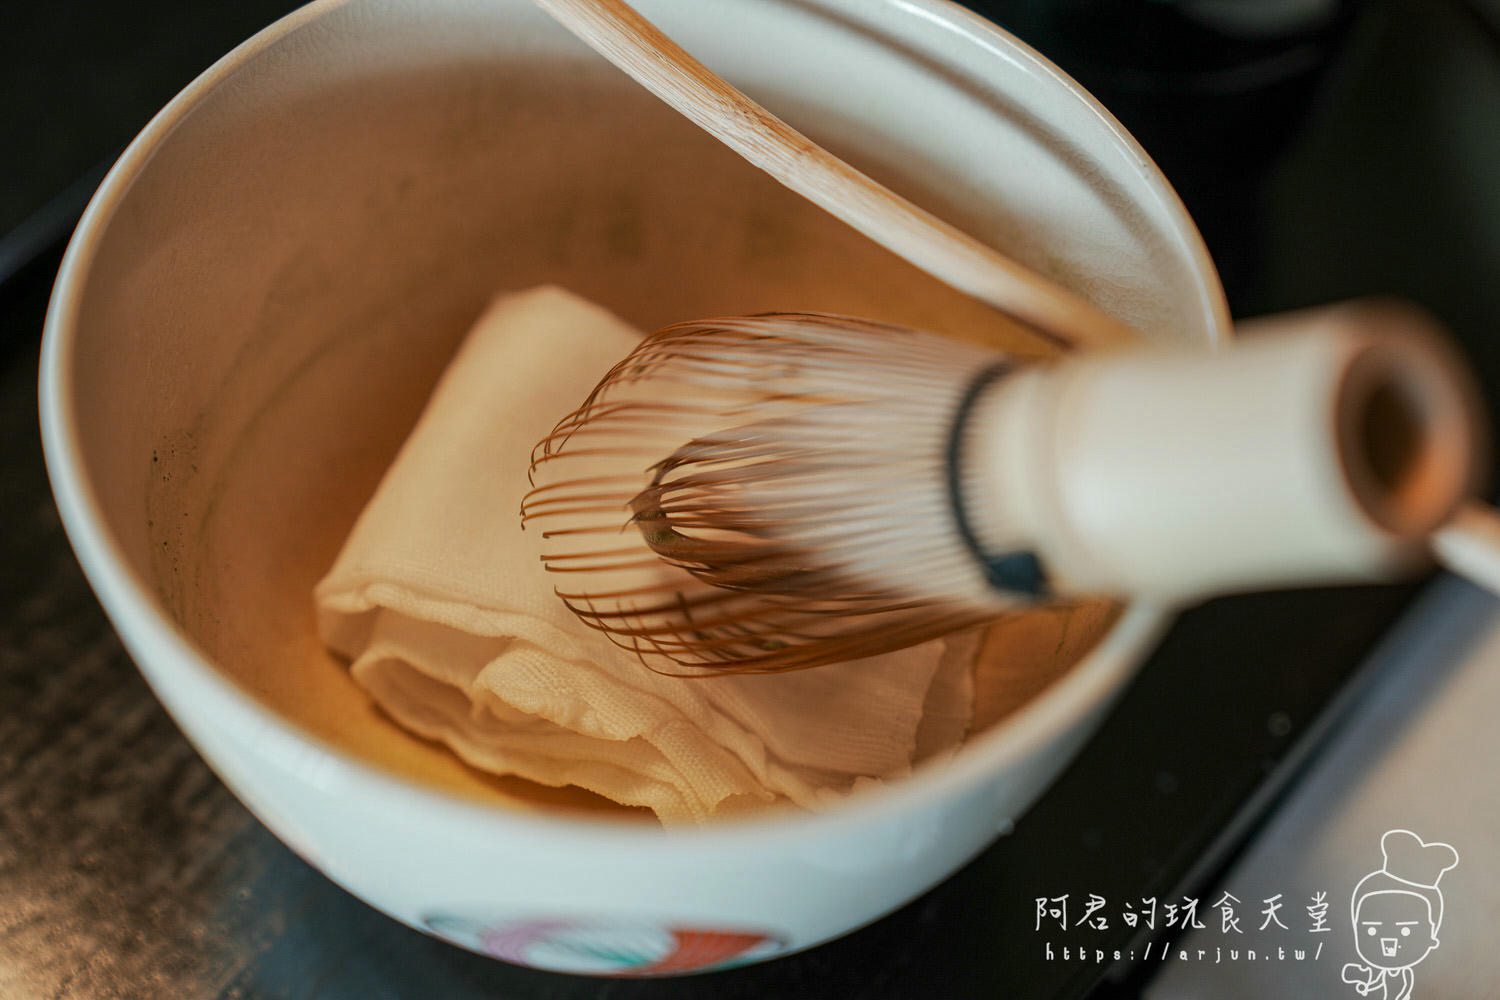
(726, 456)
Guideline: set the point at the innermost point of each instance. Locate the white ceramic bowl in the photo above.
(267, 284)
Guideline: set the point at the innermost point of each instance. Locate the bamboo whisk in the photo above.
(788, 490)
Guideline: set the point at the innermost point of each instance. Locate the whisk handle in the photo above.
(1328, 449)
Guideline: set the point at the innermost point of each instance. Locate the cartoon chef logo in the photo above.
(1397, 912)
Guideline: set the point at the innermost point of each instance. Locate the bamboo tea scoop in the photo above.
(617, 32)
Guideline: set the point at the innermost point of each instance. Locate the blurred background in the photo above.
(1326, 148)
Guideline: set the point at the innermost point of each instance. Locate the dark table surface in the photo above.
(127, 869)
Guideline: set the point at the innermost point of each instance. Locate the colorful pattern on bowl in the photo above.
(605, 946)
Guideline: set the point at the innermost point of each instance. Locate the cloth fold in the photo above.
(441, 603)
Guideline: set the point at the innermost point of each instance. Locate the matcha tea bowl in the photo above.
(267, 286)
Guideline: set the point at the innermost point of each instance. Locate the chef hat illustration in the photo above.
(1410, 865)
(1409, 859)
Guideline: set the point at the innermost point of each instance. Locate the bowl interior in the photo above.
(270, 300)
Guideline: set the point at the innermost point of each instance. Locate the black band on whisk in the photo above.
(1016, 572)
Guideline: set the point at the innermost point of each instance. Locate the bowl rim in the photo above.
(167, 656)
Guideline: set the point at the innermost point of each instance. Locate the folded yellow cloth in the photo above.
(440, 601)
